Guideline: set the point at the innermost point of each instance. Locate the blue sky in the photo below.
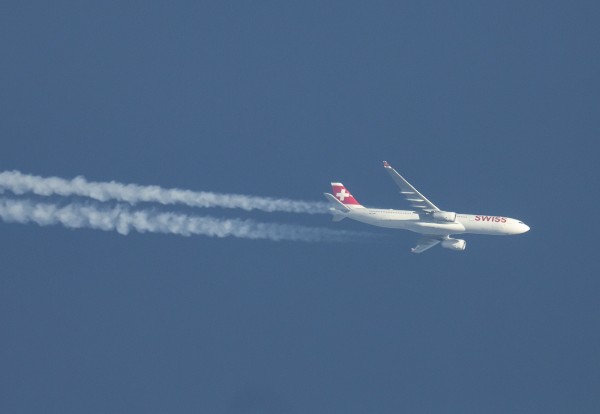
(485, 107)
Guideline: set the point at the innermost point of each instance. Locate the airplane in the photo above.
(434, 225)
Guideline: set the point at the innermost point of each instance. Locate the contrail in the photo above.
(20, 183)
(123, 219)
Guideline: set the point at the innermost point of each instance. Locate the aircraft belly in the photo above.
(425, 227)
(387, 222)
(422, 227)
(485, 228)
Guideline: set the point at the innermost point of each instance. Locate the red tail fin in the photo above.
(341, 193)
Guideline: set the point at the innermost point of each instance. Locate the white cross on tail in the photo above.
(342, 194)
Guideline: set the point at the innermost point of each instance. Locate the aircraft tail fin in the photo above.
(341, 194)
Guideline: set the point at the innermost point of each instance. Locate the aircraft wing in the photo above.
(416, 199)
(424, 243)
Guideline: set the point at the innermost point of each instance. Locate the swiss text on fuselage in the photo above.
(491, 218)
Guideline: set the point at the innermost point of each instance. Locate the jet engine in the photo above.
(454, 244)
(444, 216)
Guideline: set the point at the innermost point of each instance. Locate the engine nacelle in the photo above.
(444, 216)
(454, 244)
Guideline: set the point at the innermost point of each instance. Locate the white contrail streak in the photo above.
(20, 183)
(123, 219)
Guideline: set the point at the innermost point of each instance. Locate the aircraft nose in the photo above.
(524, 228)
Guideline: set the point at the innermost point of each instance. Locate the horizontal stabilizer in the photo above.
(336, 204)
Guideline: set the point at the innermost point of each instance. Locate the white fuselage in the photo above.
(421, 223)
